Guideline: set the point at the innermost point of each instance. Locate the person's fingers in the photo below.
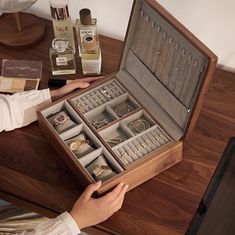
(92, 79)
(111, 196)
(117, 203)
(123, 192)
(78, 83)
(90, 190)
(81, 85)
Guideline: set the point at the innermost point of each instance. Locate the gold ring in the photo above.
(143, 145)
(138, 148)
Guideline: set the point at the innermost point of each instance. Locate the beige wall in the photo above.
(212, 21)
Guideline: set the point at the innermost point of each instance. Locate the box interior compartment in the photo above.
(98, 96)
(129, 145)
(123, 105)
(96, 147)
(89, 159)
(127, 135)
(115, 134)
(138, 122)
(101, 116)
(52, 112)
(142, 144)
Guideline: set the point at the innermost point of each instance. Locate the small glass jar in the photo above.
(62, 57)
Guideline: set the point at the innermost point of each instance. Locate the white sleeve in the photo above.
(20, 109)
(63, 224)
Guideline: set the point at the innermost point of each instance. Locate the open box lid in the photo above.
(165, 67)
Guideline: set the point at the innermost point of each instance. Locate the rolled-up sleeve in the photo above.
(20, 109)
(63, 224)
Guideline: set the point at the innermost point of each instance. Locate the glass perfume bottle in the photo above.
(62, 57)
(62, 24)
(85, 26)
(88, 41)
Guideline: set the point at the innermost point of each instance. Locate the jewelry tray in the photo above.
(139, 118)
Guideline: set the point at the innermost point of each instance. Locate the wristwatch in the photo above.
(60, 119)
(75, 145)
(98, 170)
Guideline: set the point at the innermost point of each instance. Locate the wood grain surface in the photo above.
(32, 30)
(33, 176)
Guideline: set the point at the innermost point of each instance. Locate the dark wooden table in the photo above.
(33, 176)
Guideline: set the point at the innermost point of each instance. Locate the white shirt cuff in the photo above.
(70, 222)
(46, 95)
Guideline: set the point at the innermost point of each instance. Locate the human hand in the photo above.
(78, 83)
(88, 211)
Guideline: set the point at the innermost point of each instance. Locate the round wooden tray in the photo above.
(32, 30)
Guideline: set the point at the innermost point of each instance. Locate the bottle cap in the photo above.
(85, 16)
(60, 44)
(89, 43)
(59, 9)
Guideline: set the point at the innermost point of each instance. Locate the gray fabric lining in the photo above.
(169, 71)
(156, 89)
(150, 104)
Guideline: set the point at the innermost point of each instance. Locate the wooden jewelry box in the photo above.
(132, 125)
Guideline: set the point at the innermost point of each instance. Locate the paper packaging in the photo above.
(20, 75)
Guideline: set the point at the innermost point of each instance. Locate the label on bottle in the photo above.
(91, 66)
(61, 61)
(87, 31)
(84, 31)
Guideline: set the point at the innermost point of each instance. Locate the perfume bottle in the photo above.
(90, 56)
(85, 26)
(88, 41)
(62, 57)
(62, 24)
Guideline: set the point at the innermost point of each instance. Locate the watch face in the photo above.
(60, 119)
(74, 146)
